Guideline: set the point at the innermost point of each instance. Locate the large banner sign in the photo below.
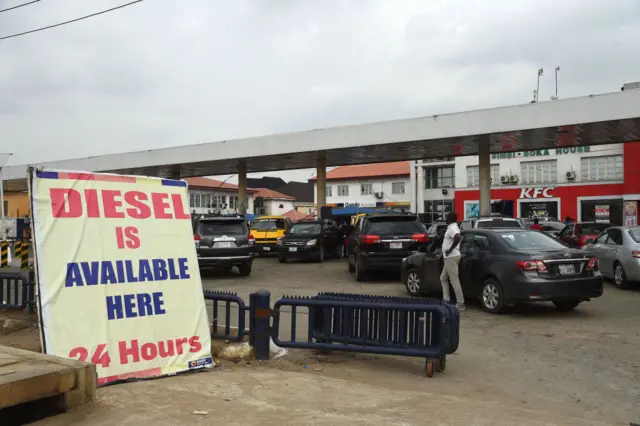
(118, 277)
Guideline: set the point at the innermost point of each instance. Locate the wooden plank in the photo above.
(27, 376)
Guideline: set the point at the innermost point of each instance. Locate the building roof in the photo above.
(398, 168)
(588, 120)
(270, 194)
(208, 183)
(268, 182)
(301, 191)
(296, 215)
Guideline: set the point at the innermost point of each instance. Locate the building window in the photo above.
(343, 190)
(437, 210)
(397, 188)
(329, 192)
(601, 168)
(539, 172)
(366, 189)
(473, 175)
(192, 200)
(439, 177)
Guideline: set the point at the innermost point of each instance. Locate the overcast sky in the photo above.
(166, 72)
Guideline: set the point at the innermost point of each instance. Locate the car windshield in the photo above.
(498, 223)
(222, 228)
(267, 224)
(635, 235)
(396, 225)
(591, 228)
(306, 228)
(531, 240)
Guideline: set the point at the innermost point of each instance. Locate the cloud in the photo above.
(164, 73)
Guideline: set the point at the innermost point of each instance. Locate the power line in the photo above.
(19, 6)
(71, 21)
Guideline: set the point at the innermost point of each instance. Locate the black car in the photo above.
(224, 242)
(380, 242)
(505, 266)
(311, 240)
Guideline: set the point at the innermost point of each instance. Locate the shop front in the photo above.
(602, 202)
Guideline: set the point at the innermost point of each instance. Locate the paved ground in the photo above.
(531, 366)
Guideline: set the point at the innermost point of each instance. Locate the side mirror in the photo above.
(555, 234)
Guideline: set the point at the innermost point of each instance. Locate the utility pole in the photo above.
(557, 69)
(537, 96)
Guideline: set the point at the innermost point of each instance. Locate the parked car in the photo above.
(434, 230)
(505, 266)
(314, 239)
(266, 230)
(224, 242)
(576, 234)
(483, 222)
(380, 242)
(550, 226)
(618, 250)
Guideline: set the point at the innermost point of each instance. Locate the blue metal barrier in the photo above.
(227, 299)
(15, 290)
(453, 334)
(406, 328)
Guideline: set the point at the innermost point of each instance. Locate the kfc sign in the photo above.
(536, 193)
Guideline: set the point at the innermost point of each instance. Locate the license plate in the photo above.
(567, 269)
(395, 245)
(293, 249)
(266, 248)
(224, 245)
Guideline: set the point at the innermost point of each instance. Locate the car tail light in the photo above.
(592, 264)
(252, 240)
(532, 265)
(369, 239)
(419, 238)
(196, 237)
(635, 254)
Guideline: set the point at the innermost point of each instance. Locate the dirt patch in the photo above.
(20, 330)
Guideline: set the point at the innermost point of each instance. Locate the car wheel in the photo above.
(321, 254)
(340, 251)
(245, 269)
(492, 296)
(359, 272)
(412, 282)
(350, 266)
(566, 305)
(619, 277)
(282, 259)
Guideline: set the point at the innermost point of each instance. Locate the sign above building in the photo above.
(534, 193)
(360, 204)
(541, 152)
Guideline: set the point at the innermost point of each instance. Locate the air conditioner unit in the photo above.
(504, 179)
(513, 178)
(378, 194)
(571, 175)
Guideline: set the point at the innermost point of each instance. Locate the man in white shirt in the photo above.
(451, 253)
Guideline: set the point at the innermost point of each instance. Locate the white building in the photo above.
(272, 203)
(368, 185)
(207, 196)
(573, 181)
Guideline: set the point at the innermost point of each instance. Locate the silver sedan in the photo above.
(618, 251)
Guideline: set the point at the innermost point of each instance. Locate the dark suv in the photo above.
(314, 239)
(380, 242)
(224, 242)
